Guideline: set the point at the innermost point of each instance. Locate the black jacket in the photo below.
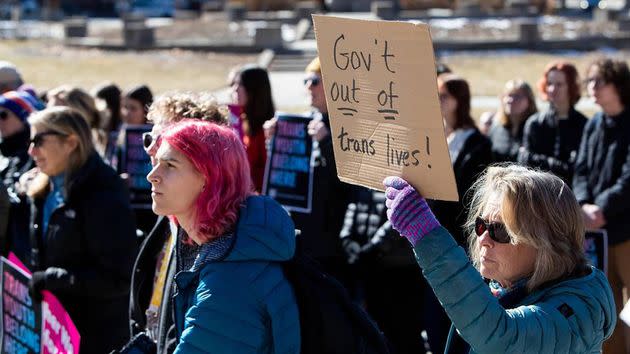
(474, 157)
(142, 288)
(505, 146)
(91, 236)
(14, 161)
(552, 144)
(602, 172)
(320, 228)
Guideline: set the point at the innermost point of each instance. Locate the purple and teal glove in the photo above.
(407, 210)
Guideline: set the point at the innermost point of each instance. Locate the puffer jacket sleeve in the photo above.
(487, 326)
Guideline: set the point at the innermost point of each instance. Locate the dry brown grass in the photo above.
(46, 65)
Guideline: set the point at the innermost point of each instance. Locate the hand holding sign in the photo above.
(380, 84)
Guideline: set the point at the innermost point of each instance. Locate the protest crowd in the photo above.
(151, 221)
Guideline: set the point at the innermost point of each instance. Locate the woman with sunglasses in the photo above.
(82, 231)
(233, 296)
(526, 239)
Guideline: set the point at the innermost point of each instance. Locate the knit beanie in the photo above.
(21, 103)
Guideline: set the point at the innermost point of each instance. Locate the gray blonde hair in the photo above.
(175, 106)
(539, 210)
(66, 121)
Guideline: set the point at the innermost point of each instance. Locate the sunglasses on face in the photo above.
(314, 81)
(38, 139)
(148, 140)
(4, 115)
(496, 230)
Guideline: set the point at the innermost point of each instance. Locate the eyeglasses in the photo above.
(314, 81)
(496, 230)
(596, 81)
(4, 115)
(38, 139)
(148, 140)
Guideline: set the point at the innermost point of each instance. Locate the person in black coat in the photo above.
(552, 138)
(602, 176)
(470, 151)
(320, 228)
(82, 230)
(15, 107)
(506, 133)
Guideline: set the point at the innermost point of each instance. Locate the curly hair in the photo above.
(615, 72)
(175, 106)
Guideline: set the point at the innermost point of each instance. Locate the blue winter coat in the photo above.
(236, 299)
(573, 316)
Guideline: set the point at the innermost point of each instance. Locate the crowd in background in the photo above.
(65, 209)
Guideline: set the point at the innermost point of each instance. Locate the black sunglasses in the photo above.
(496, 230)
(38, 139)
(314, 81)
(4, 115)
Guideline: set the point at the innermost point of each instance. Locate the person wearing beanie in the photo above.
(10, 77)
(136, 105)
(15, 108)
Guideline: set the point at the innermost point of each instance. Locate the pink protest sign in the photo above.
(59, 335)
(16, 262)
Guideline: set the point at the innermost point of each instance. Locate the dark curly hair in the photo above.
(617, 73)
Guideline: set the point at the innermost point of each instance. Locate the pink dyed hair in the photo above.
(218, 154)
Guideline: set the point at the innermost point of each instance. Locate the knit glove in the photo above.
(407, 210)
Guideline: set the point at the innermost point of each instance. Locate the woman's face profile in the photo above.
(50, 150)
(503, 262)
(175, 183)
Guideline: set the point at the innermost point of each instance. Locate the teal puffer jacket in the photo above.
(573, 316)
(236, 299)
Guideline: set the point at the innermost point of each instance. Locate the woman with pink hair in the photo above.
(232, 296)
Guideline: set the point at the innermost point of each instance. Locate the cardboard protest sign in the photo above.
(596, 249)
(137, 164)
(30, 327)
(21, 316)
(381, 90)
(289, 170)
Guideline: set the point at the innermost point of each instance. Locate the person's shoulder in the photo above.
(589, 298)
